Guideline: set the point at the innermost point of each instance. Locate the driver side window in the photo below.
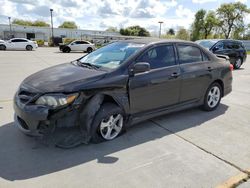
(158, 57)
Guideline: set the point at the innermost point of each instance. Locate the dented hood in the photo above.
(62, 78)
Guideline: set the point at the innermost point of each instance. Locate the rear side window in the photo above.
(84, 42)
(160, 56)
(189, 54)
(205, 57)
(229, 45)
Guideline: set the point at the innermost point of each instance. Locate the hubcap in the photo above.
(238, 63)
(111, 127)
(213, 96)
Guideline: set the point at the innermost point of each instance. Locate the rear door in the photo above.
(85, 45)
(23, 43)
(158, 87)
(230, 50)
(196, 70)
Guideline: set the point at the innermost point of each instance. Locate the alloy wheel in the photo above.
(213, 97)
(111, 127)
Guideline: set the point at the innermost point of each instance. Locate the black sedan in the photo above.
(119, 85)
(234, 49)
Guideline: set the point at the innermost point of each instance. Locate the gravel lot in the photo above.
(191, 148)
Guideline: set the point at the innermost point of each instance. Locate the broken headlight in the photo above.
(56, 100)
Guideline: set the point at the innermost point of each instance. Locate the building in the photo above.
(44, 33)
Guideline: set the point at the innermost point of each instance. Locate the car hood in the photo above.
(62, 78)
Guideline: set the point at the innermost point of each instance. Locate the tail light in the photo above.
(231, 67)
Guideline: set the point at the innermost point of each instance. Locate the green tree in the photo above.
(37, 23)
(182, 34)
(231, 16)
(112, 29)
(134, 31)
(68, 24)
(171, 31)
(210, 22)
(198, 25)
(22, 22)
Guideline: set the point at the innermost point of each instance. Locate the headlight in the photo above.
(56, 100)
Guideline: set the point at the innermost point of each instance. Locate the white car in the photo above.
(18, 44)
(77, 45)
(2, 41)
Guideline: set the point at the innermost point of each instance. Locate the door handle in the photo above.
(175, 75)
(209, 69)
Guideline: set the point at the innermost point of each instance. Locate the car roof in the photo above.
(19, 38)
(217, 40)
(156, 41)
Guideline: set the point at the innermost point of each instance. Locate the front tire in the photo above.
(108, 123)
(213, 97)
(66, 50)
(238, 63)
(29, 48)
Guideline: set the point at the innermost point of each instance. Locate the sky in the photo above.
(101, 14)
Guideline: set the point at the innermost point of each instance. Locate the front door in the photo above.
(159, 87)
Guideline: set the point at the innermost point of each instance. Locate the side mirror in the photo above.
(141, 67)
(215, 48)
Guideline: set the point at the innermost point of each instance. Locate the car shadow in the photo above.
(21, 157)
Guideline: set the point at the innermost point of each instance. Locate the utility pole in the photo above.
(52, 29)
(10, 24)
(160, 22)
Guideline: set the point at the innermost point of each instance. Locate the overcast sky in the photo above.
(100, 14)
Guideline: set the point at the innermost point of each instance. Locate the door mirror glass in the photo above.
(141, 67)
(216, 48)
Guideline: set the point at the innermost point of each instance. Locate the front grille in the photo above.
(26, 96)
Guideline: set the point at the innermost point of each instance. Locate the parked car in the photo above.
(77, 45)
(234, 49)
(18, 44)
(121, 84)
(2, 41)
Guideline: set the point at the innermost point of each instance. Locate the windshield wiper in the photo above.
(88, 65)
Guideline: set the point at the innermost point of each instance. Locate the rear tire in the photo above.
(238, 63)
(2, 47)
(108, 123)
(29, 48)
(89, 50)
(212, 97)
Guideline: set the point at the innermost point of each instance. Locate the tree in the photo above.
(198, 25)
(37, 23)
(112, 29)
(68, 24)
(134, 31)
(22, 22)
(231, 16)
(171, 31)
(182, 34)
(210, 22)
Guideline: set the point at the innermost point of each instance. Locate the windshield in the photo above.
(112, 55)
(207, 43)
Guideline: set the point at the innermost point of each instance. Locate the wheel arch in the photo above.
(219, 81)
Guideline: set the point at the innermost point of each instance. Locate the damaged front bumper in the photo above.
(36, 120)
